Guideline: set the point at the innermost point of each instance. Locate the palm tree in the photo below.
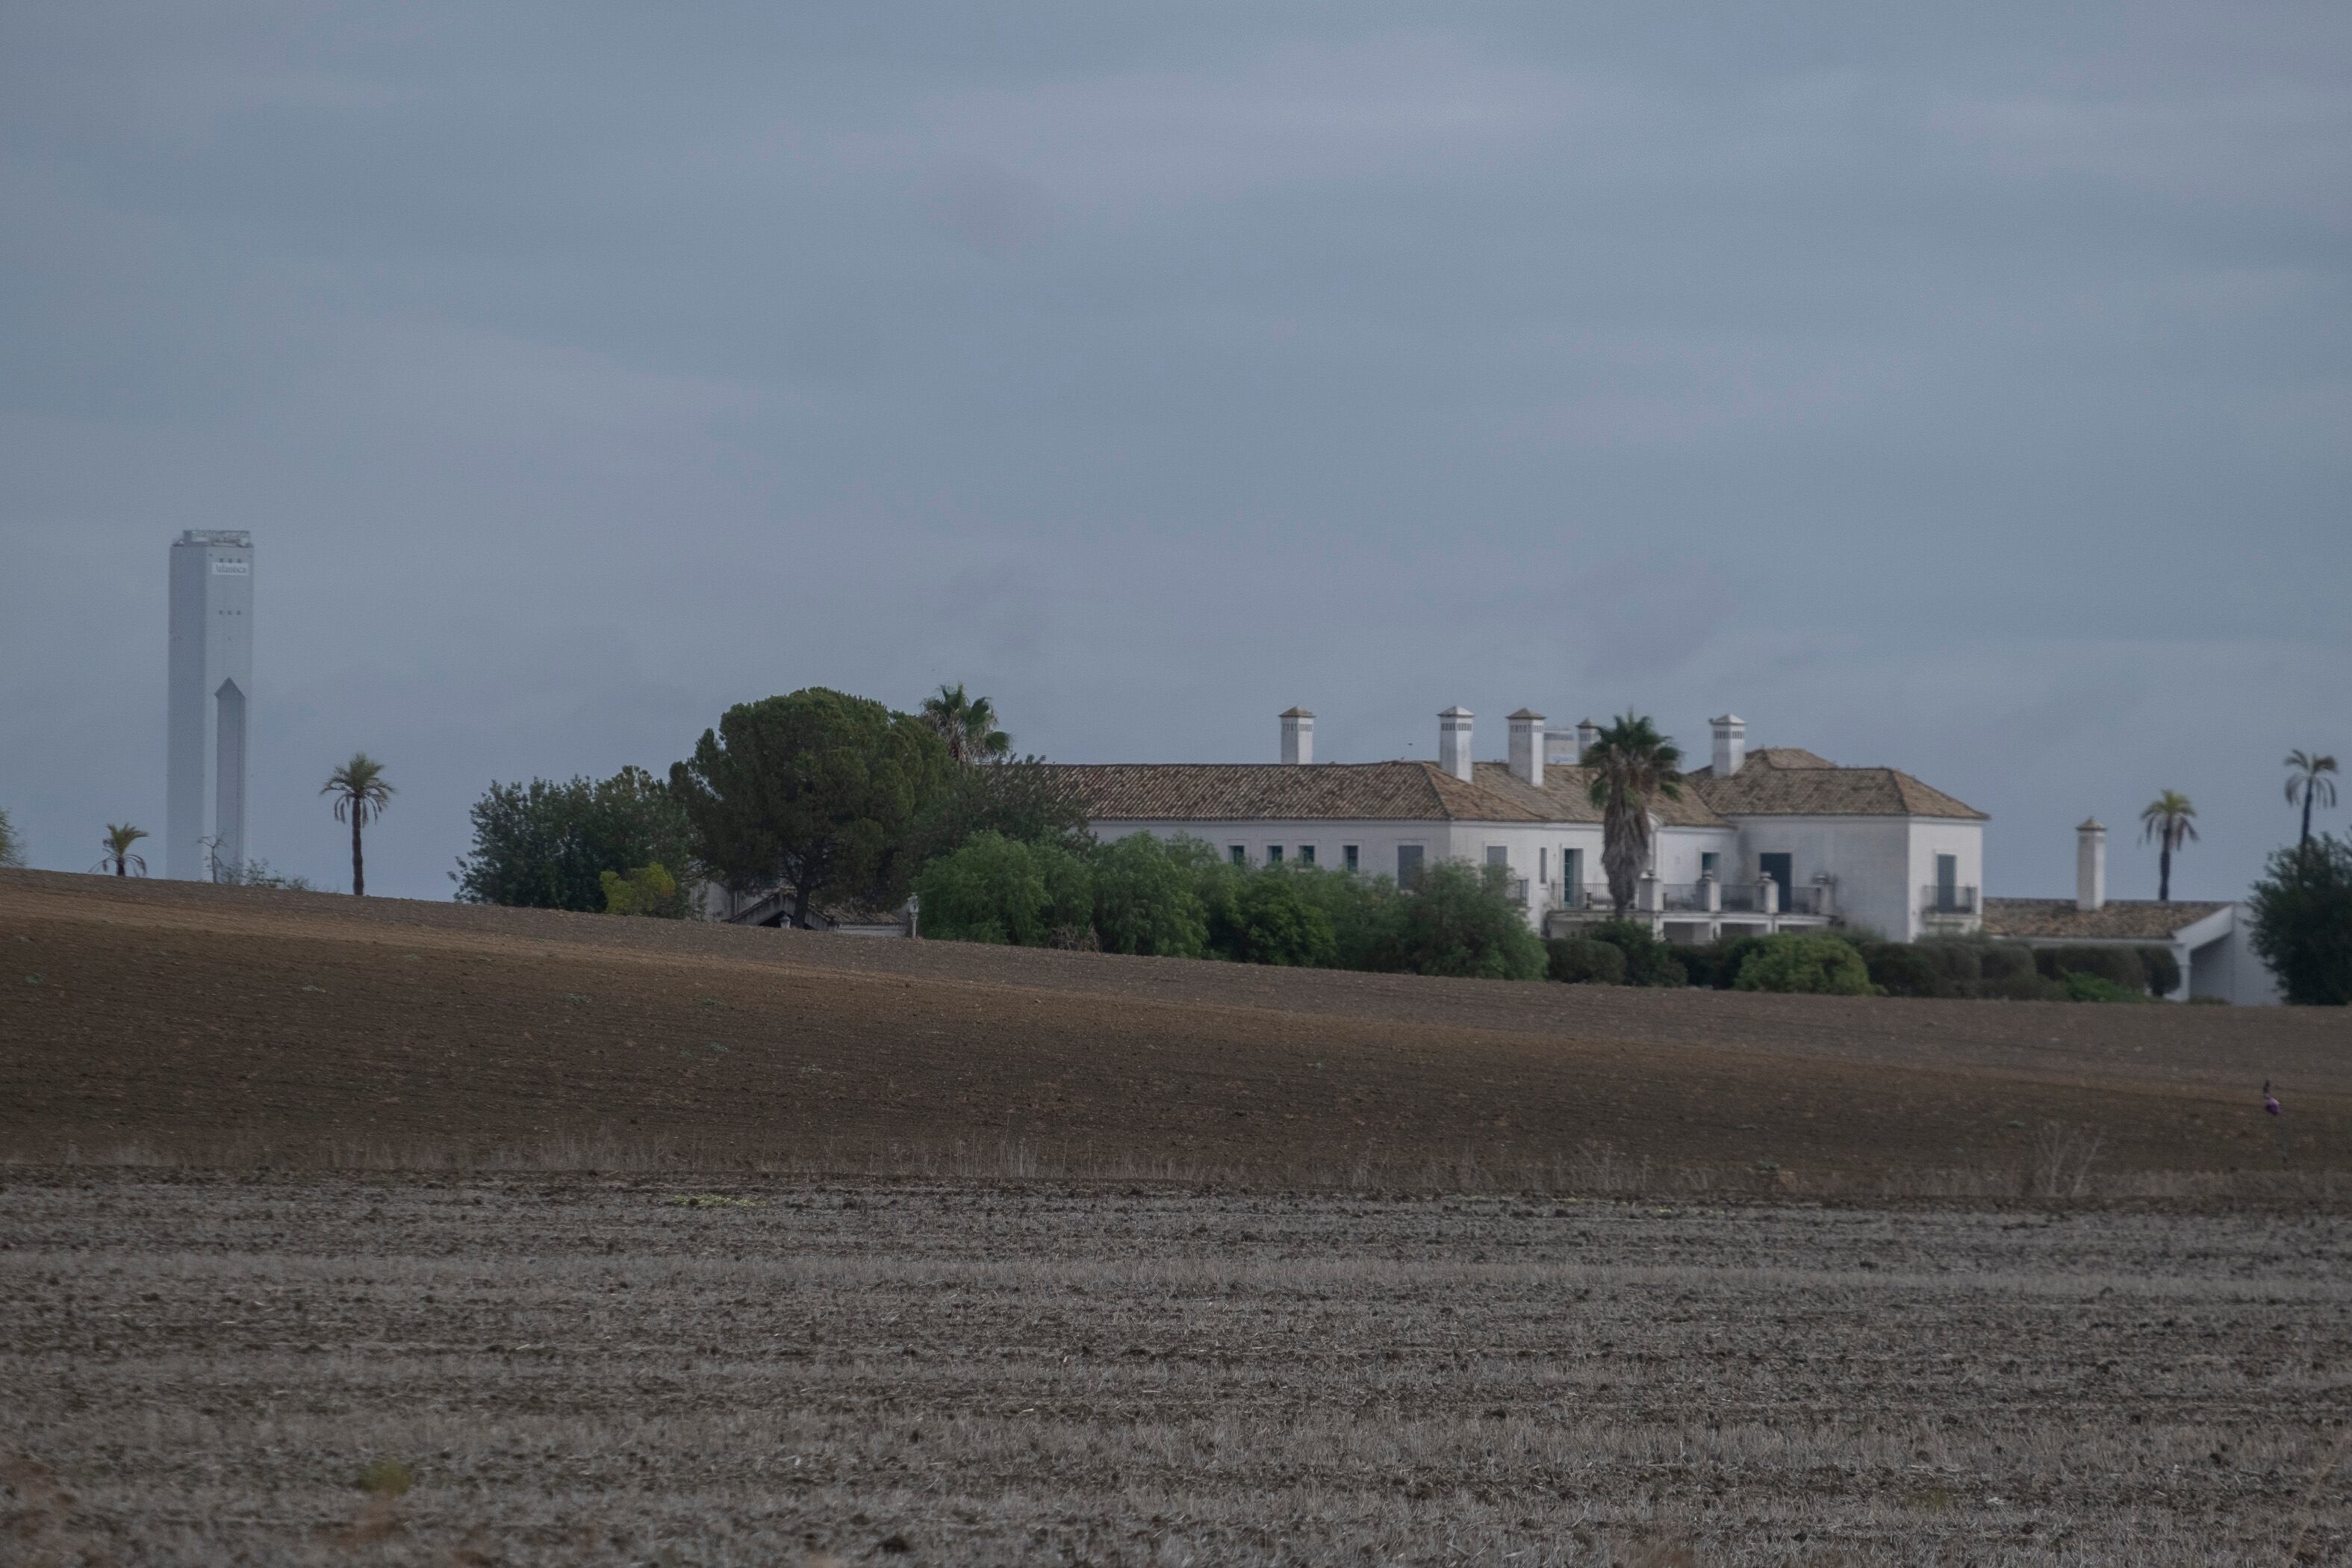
(120, 838)
(1630, 762)
(360, 794)
(2306, 780)
(2168, 822)
(968, 724)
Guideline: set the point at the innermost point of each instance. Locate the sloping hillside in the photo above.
(230, 1024)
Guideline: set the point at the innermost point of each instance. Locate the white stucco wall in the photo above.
(1880, 863)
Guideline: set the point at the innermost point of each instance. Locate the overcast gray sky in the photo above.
(1965, 391)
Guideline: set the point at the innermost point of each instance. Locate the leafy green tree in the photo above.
(2167, 822)
(360, 794)
(12, 843)
(1819, 966)
(1632, 764)
(2309, 778)
(1024, 799)
(1147, 896)
(1367, 914)
(120, 838)
(547, 845)
(817, 791)
(648, 890)
(2303, 922)
(1462, 920)
(967, 724)
(1267, 919)
(1001, 890)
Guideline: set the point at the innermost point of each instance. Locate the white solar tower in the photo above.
(206, 771)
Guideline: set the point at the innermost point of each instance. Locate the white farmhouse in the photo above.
(2211, 941)
(1774, 840)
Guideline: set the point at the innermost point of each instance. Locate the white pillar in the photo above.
(2090, 865)
(1730, 744)
(1454, 741)
(1528, 747)
(1297, 737)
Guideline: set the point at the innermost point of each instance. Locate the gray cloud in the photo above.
(1963, 392)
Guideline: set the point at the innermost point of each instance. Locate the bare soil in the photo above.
(183, 1023)
(201, 1369)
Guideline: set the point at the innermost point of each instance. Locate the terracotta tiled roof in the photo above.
(1349, 791)
(2119, 920)
(1567, 797)
(1784, 781)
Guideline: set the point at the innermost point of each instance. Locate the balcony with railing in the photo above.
(1683, 897)
(1952, 903)
(1811, 900)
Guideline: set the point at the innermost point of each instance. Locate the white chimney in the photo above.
(1528, 747)
(1454, 741)
(1730, 744)
(1297, 737)
(1588, 735)
(2090, 865)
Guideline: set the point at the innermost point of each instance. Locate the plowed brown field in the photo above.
(202, 1024)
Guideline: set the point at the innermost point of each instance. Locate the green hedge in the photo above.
(1581, 961)
(1820, 966)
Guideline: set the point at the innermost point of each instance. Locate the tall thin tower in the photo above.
(205, 770)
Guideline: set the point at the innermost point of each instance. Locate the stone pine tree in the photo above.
(2167, 822)
(1632, 766)
(815, 791)
(360, 796)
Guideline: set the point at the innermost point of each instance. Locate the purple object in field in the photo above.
(2270, 1100)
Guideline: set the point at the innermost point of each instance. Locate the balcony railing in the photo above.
(1683, 895)
(1804, 901)
(1942, 901)
(1591, 895)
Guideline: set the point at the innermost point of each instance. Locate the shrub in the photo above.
(1900, 969)
(999, 890)
(1698, 964)
(1461, 921)
(645, 891)
(1648, 961)
(1958, 963)
(2118, 966)
(2161, 969)
(2003, 964)
(1147, 897)
(1582, 961)
(2024, 985)
(2079, 985)
(2303, 922)
(1820, 966)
